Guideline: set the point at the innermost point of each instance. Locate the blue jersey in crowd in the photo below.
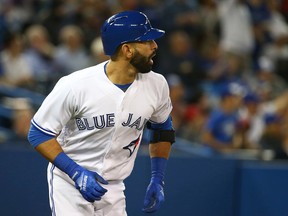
(222, 125)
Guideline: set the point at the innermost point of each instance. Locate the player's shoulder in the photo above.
(84, 75)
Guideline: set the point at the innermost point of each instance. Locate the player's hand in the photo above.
(87, 182)
(154, 196)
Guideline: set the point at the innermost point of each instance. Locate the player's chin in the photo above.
(146, 69)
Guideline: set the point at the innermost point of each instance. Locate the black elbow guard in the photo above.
(162, 136)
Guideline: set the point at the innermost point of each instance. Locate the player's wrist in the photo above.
(157, 180)
(158, 167)
(67, 165)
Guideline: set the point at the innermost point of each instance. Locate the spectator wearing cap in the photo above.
(221, 133)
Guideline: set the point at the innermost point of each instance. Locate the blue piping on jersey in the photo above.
(42, 129)
(123, 87)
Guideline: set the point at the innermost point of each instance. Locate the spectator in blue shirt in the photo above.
(221, 133)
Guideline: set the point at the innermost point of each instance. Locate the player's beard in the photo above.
(142, 63)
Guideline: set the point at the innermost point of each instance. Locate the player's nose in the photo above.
(154, 45)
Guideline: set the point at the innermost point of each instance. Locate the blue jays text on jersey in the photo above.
(108, 120)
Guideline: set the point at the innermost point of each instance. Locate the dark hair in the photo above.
(9, 38)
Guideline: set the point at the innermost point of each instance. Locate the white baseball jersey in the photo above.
(100, 127)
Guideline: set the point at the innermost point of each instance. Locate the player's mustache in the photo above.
(152, 55)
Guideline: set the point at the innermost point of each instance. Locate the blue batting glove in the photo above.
(87, 182)
(154, 196)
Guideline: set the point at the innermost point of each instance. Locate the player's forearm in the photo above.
(49, 149)
(53, 152)
(160, 149)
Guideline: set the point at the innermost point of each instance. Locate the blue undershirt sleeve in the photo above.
(36, 136)
(167, 125)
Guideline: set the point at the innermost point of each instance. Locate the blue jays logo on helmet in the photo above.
(127, 26)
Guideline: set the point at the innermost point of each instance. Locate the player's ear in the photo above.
(127, 50)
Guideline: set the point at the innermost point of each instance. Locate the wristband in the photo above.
(158, 166)
(65, 164)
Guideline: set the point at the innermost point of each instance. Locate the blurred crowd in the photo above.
(226, 62)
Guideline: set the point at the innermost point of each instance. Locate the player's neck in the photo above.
(120, 72)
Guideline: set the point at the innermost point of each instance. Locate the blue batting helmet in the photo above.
(127, 26)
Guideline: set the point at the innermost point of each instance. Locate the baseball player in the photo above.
(91, 124)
